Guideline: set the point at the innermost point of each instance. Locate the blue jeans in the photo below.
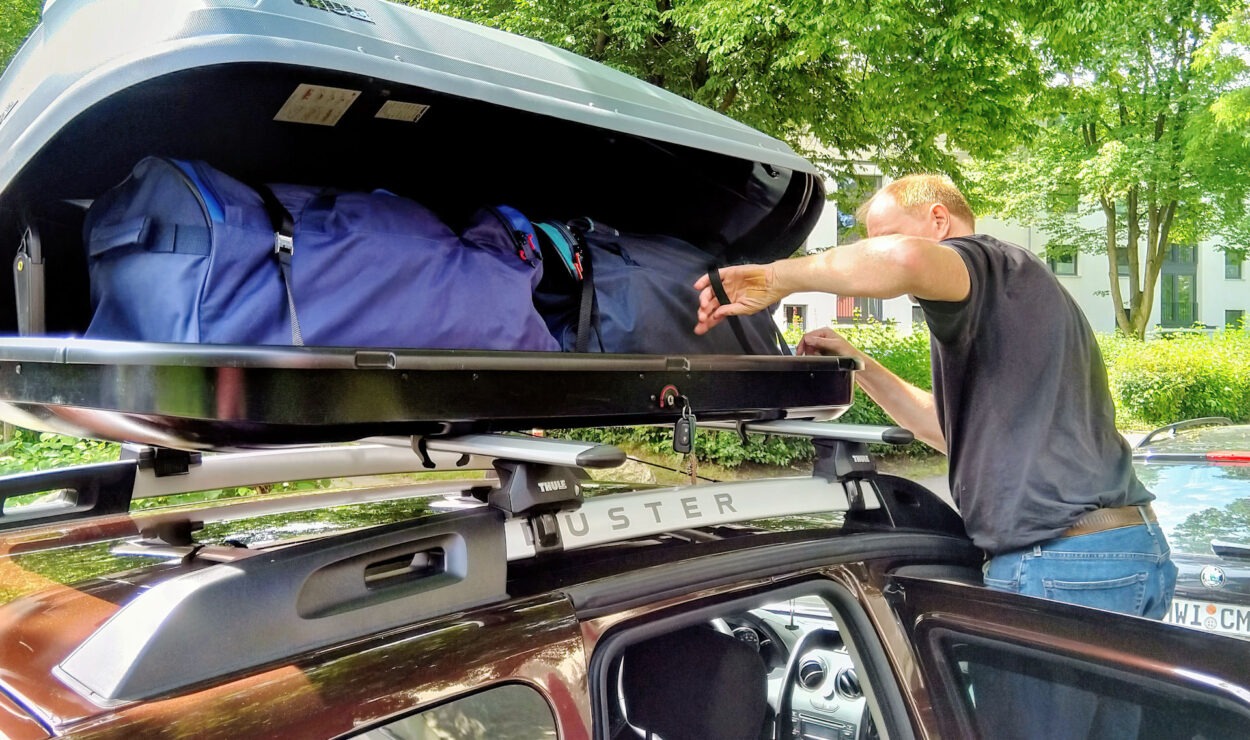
(1127, 570)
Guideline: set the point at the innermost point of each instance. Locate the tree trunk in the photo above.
(1113, 261)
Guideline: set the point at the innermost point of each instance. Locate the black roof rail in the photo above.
(294, 599)
(78, 492)
(1172, 429)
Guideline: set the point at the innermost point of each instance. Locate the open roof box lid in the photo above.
(103, 83)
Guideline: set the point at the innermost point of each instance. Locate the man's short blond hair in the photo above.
(915, 193)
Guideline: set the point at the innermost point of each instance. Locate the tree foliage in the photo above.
(1140, 131)
(905, 83)
(17, 18)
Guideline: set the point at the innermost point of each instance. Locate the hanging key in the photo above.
(683, 431)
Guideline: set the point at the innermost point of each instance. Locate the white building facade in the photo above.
(1198, 286)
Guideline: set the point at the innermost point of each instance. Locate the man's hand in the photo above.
(826, 341)
(750, 288)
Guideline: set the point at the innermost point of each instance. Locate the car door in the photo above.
(1003, 665)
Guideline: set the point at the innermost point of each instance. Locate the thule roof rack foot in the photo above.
(162, 461)
(538, 476)
(841, 451)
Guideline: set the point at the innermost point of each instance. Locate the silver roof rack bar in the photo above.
(819, 430)
(541, 450)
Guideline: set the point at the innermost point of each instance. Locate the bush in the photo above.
(722, 448)
(28, 450)
(1179, 376)
(906, 355)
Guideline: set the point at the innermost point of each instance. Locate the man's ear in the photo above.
(940, 220)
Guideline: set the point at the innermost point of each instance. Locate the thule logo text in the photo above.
(552, 485)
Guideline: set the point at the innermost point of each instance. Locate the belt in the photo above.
(1100, 520)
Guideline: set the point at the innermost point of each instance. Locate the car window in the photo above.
(1004, 690)
(509, 712)
(792, 663)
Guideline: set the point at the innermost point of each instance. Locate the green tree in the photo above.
(1141, 131)
(903, 82)
(17, 18)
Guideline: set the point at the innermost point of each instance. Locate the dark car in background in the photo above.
(1200, 472)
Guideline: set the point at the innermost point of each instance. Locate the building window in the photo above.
(796, 317)
(856, 310)
(1235, 319)
(1178, 299)
(1232, 264)
(1062, 264)
(1179, 304)
(1181, 254)
(851, 193)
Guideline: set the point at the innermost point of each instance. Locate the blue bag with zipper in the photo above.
(180, 252)
(608, 291)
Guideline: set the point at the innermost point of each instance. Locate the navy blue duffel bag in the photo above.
(608, 291)
(180, 252)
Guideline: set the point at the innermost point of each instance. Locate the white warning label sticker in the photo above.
(397, 111)
(317, 104)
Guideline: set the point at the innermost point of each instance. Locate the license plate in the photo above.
(1226, 619)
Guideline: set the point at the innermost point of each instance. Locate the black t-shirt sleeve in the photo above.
(951, 322)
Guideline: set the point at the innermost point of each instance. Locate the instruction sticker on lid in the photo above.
(317, 104)
(396, 111)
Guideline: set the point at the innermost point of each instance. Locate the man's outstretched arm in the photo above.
(882, 267)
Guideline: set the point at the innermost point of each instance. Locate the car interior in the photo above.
(777, 669)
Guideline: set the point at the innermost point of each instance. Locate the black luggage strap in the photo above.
(284, 248)
(587, 314)
(735, 322)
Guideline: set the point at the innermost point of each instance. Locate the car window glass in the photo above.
(736, 673)
(509, 712)
(1006, 691)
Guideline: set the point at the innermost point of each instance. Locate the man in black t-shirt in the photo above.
(1020, 401)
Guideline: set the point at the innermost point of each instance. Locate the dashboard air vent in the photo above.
(812, 673)
(847, 684)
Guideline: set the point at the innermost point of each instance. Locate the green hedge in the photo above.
(1179, 376)
(722, 448)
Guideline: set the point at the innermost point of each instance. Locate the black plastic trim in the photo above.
(629, 590)
(277, 604)
(99, 490)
